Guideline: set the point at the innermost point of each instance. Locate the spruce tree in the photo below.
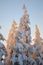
(11, 41)
(37, 41)
(37, 38)
(12, 35)
(24, 26)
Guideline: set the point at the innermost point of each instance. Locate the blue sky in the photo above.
(12, 10)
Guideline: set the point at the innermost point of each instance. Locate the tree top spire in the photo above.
(24, 8)
(36, 28)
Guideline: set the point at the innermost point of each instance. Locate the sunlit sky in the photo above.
(12, 10)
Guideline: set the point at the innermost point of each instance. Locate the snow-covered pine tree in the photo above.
(12, 35)
(11, 41)
(24, 33)
(24, 26)
(37, 41)
(37, 38)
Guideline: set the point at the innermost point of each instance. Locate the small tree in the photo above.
(24, 26)
(37, 41)
(37, 38)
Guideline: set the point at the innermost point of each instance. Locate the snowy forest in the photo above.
(20, 48)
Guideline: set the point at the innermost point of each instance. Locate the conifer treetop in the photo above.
(37, 30)
(25, 15)
(37, 38)
(24, 9)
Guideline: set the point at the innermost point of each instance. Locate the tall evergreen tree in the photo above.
(12, 35)
(11, 41)
(24, 25)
